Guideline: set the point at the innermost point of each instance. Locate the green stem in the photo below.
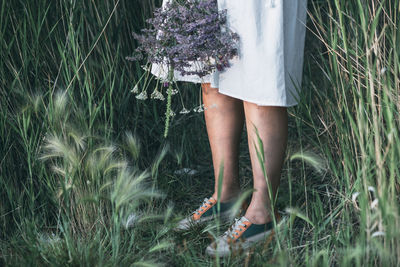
(169, 102)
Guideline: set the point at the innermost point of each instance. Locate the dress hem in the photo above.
(260, 103)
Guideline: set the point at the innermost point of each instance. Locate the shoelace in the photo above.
(234, 228)
(203, 206)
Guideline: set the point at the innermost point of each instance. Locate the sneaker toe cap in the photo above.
(184, 224)
(219, 247)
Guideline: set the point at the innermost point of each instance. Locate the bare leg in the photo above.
(224, 117)
(272, 125)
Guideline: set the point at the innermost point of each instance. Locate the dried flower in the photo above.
(191, 37)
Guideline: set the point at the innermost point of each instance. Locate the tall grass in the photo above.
(86, 177)
(73, 172)
(358, 118)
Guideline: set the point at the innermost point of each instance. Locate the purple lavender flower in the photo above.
(189, 36)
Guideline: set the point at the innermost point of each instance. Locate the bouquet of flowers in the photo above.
(187, 36)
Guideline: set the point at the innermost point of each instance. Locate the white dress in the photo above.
(268, 71)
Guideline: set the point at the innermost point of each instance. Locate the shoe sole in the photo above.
(241, 246)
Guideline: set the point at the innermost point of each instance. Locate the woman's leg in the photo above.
(272, 125)
(224, 117)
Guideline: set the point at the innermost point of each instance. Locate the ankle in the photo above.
(258, 215)
(227, 196)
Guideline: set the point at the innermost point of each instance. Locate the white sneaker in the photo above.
(241, 236)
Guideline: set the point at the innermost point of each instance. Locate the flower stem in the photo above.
(169, 102)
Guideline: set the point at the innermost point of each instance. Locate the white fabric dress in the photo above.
(268, 71)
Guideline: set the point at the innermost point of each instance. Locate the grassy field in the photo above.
(81, 158)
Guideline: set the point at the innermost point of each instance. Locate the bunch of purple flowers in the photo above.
(189, 36)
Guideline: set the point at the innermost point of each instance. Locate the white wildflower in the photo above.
(199, 109)
(383, 70)
(172, 113)
(157, 95)
(142, 96)
(184, 111)
(135, 89)
(174, 91)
